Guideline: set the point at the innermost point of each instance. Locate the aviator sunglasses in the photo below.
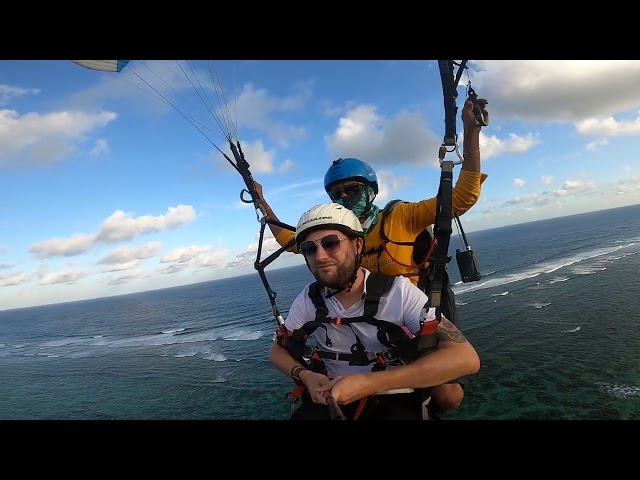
(350, 190)
(330, 243)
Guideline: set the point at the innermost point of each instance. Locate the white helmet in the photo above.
(328, 216)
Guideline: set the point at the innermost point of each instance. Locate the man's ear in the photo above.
(359, 245)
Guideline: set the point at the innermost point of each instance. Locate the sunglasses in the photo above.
(330, 243)
(349, 190)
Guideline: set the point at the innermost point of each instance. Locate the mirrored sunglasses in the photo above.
(330, 243)
(350, 190)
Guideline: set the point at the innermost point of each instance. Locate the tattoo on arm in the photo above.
(448, 332)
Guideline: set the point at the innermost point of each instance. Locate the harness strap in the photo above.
(388, 357)
(385, 240)
(450, 95)
(442, 233)
(376, 287)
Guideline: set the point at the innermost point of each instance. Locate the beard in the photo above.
(345, 272)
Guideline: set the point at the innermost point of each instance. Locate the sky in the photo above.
(114, 182)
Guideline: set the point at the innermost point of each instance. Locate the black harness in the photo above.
(423, 255)
(401, 348)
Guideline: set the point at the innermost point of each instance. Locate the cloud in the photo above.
(259, 159)
(556, 90)
(195, 256)
(518, 182)
(256, 109)
(68, 276)
(8, 93)
(17, 279)
(67, 247)
(608, 127)
(125, 258)
(388, 184)
(546, 180)
(363, 133)
(120, 226)
(492, 146)
(248, 257)
(125, 278)
(39, 139)
(100, 148)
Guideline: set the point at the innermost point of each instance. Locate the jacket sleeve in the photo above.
(415, 217)
(284, 237)
(467, 190)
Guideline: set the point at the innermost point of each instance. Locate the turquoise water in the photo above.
(555, 320)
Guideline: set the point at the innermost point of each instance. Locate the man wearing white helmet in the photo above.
(370, 368)
(400, 247)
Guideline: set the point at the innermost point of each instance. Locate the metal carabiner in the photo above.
(443, 151)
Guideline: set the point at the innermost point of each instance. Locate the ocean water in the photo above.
(555, 320)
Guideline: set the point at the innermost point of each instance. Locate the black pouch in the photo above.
(467, 265)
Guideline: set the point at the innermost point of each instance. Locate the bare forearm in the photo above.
(281, 358)
(471, 150)
(454, 357)
(441, 366)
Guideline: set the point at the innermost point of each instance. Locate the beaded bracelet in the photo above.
(295, 373)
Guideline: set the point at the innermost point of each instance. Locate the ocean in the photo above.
(555, 319)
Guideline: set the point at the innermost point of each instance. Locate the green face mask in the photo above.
(359, 204)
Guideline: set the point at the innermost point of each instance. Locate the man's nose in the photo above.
(321, 252)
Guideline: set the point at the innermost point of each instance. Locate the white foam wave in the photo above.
(558, 279)
(551, 266)
(255, 335)
(577, 329)
(176, 330)
(216, 357)
(540, 304)
(619, 391)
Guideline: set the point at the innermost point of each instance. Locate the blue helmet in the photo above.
(350, 169)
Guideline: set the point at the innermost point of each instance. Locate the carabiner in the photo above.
(442, 151)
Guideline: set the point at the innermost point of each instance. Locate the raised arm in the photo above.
(466, 192)
(471, 140)
(282, 235)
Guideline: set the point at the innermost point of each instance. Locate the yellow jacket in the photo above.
(404, 223)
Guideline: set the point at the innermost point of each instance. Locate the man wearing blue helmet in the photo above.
(391, 242)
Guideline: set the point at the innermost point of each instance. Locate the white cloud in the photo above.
(9, 92)
(120, 226)
(33, 138)
(546, 180)
(556, 90)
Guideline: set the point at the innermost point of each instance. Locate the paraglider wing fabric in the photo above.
(103, 65)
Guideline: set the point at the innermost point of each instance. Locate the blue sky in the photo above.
(107, 189)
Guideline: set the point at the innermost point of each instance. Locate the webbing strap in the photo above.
(442, 232)
(377, 285)
(450, 107)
